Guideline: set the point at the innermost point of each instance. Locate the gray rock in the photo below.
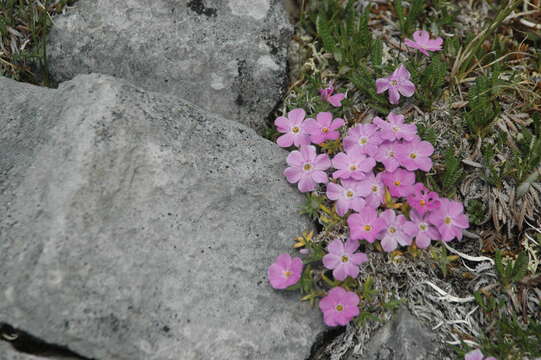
(403, 338)
(134, 225)
(227, 56)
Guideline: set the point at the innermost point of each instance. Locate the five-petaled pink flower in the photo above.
(375, 188)
(394, 233)
(423, 200)
(323, 128)
(343, 260)
(386, 155)
(421, 229)
(394, 128)
(398, 83)
(327, 95)
(365, 225)
(352, 164)
(477, 355)
(363, 136)
(285, 271)
(293, 127)
(307, 168)
(422, 42)
(399, 182)
(339, 307)
(349, 195)
(416, 155)
(450, 220)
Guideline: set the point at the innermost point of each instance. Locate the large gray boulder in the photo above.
(227, 56)
(134, 225)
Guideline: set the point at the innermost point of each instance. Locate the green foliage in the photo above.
(452, 173)
(442, 259)
(312, 205)
(429, 80)
(407, 22)
(364, 81)
(342, 31)
(476, 211)
(512, 272)
(427, 133)
(527, 158)
(482, 105)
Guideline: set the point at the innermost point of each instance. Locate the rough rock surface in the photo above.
(403, 338)
(134, 225)
(227, 56)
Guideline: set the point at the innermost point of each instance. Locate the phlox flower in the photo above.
(422, 42)
(365, 225)
(363, 136)
(416, 155)
(306, 168)
(398, 83)
(293, 127)
(394, 128)
(421, 229)
(449, 218)
(285, 271)
(323, 128)
(422, 199)
(399, 182)
(348, 196)
(327, 95)
(352, 164)
(386, 155)
(375, 188)
(394, 233)
(339, 307)
(477, 355)
(343, 260)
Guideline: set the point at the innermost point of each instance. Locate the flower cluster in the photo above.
(372, 183)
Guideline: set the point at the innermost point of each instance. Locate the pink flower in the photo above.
(363, 136)
(375, 188)
(423, 43)
(342, 260)
(397, 83)
(293, 128)
(394, 128)
(285, 271)
(347, 196)
(449, 218)
(352, 164)
(306, 168)
(399, 182)
(324, 128)
(422, 199)
(386, 155)
(334, 100)
(477, 355)
(421, 229)
(416, 155)
(339, 307)
(365, 225)
(394, 234)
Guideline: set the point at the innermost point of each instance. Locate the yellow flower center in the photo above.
(413, 155)
(422, 202)
(363, 140)
(287, 273)
(423, 227)
(353, 168)
(325, 130)
(397, 182)
(295, 129)
(395, 128)
(339, 307)
(392, 230)
(367, 228)
(394, 82)
(345, 259)
(447, 220)
(391, 153)
(375, 188)
(307, 167)
(349, 194)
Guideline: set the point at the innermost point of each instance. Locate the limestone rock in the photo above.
(134, 225)
(227, 56)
